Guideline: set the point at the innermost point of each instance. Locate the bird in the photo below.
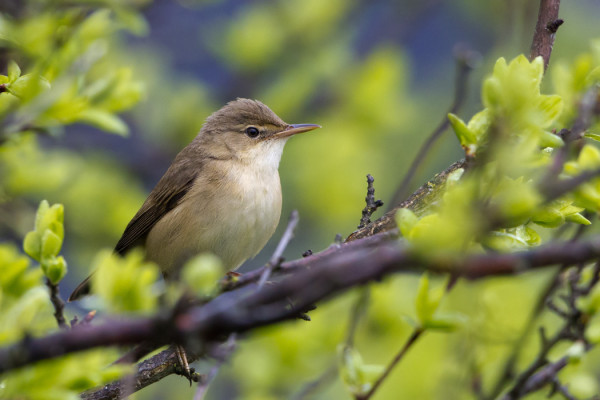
(221, 194)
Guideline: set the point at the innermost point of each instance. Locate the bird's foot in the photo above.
(184, 366)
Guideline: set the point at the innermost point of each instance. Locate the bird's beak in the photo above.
(294, 129)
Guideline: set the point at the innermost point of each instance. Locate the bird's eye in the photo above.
(252, 131)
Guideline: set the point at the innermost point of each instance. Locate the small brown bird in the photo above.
(221, 194)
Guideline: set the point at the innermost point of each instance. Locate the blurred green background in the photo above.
(377, 75)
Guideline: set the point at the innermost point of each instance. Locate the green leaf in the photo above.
(445, 322)
(104, 120)
(406, 220)
(125, 284)
(14, 72)
(593, 136)
(32, 245)
(55, 269)
(577, 218)
(28, 86)
(576, 352)
(39, 216)
(51, 244)
(465, 136)
(357, 375)
(548, 217)
(202, 273)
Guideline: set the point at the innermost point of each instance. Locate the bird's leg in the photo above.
(183, 363)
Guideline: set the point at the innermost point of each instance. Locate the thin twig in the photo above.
(407, 345)
(560, 188)
(562, 389)
(465, 59)
(229, 348)
(545, 30)
(583, 121)
(358, 310)
(277, 257)
(58, 304)
(372, 204)
(327, 376)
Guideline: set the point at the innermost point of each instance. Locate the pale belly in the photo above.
(235, 226)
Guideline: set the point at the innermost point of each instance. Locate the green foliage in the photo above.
(44, 242)
(23, 299)
(357, 375)
(572, 79)
(201, 274)
(63, 378)
(427, 303)
(125, 284)
(70, 65)
(66, 82)
(498, 204)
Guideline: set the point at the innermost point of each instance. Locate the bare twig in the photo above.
(465, 59)
(545, 376)
(560, 388)
(372, 204)
(586, 110)
(418, 203)
(358, 310)
(407, 345)
(327, 376)
(277, 257)
(228, 349)
(545, 30)
(58, 304)
(560, 188)
(583, 121)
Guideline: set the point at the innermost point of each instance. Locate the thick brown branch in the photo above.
(149, 371)
(248, 309)
(545, 30)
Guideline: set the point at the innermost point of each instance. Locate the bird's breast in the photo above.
(230, 212)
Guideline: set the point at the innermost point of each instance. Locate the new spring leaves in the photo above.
(70, 82)
(498, 204)
(43, 244)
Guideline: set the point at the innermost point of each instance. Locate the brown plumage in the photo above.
(221, 194)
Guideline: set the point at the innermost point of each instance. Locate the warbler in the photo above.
(221, 194)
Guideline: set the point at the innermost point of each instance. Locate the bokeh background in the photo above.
(378, 76)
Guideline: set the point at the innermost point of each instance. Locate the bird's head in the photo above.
(247, 130)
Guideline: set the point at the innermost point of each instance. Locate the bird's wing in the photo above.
(165, 196)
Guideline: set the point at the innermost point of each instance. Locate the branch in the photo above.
(229, 348)
(372, 204)
(545, 30)
(58, 304)
(148, 372)
(464, 64)
(418, 203)
(277, 257)
(409, 343)
(248, 309)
